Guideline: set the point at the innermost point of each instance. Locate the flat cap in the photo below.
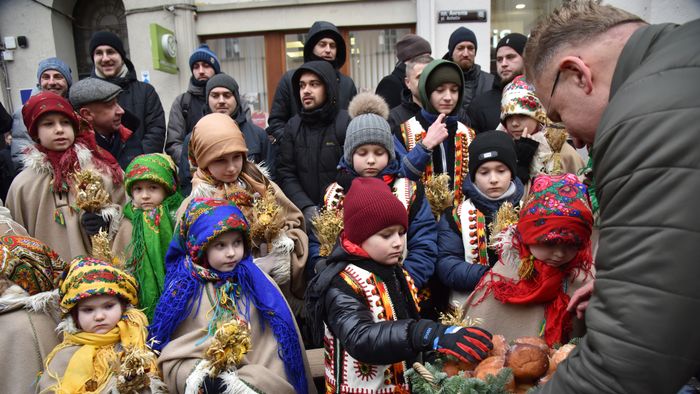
(90, 90)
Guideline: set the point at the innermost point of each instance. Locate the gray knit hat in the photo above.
(54, 63)
(90, 90)
(221, 81)
(369, 113)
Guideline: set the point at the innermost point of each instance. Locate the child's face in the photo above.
(55, 132)
(555, 255)
(370, 159)
(386, 246)
(516, 124)
(226, 168)
(444, 98)
(493, 178)
(225, 251)
(147, 194)
(99, 314)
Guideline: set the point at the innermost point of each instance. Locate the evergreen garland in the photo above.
(442, 384)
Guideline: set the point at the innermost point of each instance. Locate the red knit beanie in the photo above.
(42, 103)
(370, 207)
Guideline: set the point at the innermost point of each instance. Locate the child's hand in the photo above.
(437, 132)
(469, 344)
(526, 134)
(580, 299)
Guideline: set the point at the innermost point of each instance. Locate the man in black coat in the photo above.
(462, 50)
(143, 111)
(485, 110)
(323, 42)
(392, 86)
(312, 143)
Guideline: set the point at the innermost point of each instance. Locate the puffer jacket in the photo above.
(312, 143)
(421, 235)
(331, 301)
(285, 104)
(179, 124)
(147, 119)
(644, 315)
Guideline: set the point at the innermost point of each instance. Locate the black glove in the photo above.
(92, 223)
(213, 385)
(469, 344)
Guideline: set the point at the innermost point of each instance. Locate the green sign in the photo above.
(163, 49)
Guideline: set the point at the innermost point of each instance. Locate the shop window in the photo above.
(294, 50)
(243, 58)
(372, 55)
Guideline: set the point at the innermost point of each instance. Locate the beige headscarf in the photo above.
(213, 136)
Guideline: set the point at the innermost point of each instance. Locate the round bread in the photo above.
(528, 362)
(453, 367)
(558, 356)
(500, 346)
(537, 341)
(490, 366)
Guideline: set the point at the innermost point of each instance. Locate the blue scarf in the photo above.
(431, 118)
(489, 206)
(187, 276)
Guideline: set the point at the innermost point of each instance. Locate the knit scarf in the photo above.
(490, 206)
(65, 164)
(151, 233)
(431, 118)
(95, 360)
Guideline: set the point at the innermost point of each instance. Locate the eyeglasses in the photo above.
(554, 86)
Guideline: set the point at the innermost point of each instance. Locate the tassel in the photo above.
(58, 217)
(527, 268)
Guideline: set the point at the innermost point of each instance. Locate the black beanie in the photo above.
(492, 146)
(516, 41)
(459, 35)
(107, 38)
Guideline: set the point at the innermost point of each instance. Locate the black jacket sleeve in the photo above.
(154, 124)
(5, 120)
(349, 319)
(287, 168)
(281, 110)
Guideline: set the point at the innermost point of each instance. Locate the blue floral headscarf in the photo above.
(187, 273)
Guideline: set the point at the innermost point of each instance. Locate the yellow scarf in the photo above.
(92, 366)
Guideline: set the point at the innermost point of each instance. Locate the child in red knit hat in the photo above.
(367, 302)
(542, 261)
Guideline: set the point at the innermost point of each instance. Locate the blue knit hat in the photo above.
(206, 55)
(460, 35)
(54, 63)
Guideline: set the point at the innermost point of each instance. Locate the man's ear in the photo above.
(405, 81)
(85, 113)
(583, 78)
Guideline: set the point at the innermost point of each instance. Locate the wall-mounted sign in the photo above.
(457, 16)
(163, 49)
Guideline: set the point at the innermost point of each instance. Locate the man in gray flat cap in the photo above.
(96, 101)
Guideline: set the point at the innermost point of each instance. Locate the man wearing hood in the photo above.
(143, 110)
(323, 42)
(312, 143)
(485, 110)
(189, 107)
(53, 75)
(223, 96)
(462, 50)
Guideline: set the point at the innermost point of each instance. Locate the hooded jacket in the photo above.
(476, 82)
(148, 121)
(181, 124)
(286, 104)
(312, 144)
(643, 317)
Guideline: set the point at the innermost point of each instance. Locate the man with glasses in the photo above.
(629, 91)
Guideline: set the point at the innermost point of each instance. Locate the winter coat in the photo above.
(285, 104)
(261, 367)
(29, 334)
(403, 112)
(117, 147)
(391, 86)
(457, 270)
(181, 122)
(352, 327)
(259, 147)
(484, 111)
(35, 207)
(312, 144)
(643, 317)
(421, 236)
(8, 226)
(141, 101)
(515, 321)
(20, 139)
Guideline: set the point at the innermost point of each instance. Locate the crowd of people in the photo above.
(211, 255)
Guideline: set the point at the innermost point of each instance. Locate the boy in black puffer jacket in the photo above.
(368, 303)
